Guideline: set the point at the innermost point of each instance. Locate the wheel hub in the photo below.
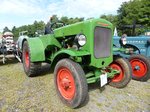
(66, 83)
(136, 67)
(139, 67)
(118, 77)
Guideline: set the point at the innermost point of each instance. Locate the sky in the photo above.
(24, 12)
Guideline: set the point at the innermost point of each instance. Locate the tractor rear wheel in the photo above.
(123, 78)
(70, 83)
(31, 69)
(140, 67)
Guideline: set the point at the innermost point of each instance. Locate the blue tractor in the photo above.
(137, 51)
(137, 45)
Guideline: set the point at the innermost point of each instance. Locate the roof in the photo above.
(8, 33)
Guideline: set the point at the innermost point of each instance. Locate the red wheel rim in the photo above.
(139, 68)
(118, 77)
(66, 83)
(27, 59)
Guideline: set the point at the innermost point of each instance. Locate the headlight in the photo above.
(81, 40)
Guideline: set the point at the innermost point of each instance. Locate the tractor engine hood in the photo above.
(69, 30)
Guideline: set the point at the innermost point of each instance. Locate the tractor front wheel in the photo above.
(70, 83)
(140, 67)
(121, 79)
(31, 69)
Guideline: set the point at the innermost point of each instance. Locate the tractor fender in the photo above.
(66, 53)
(21, 45)
(38, 45)
(132, 46)
(37, 50)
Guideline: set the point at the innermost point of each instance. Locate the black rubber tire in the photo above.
(78, 74)
(147, 63)
(34, 68)
(126, 67)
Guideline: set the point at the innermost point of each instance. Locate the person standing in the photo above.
(48, 28)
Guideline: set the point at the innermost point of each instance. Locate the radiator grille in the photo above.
(102, 42)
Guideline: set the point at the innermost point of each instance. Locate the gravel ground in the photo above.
(19, 93)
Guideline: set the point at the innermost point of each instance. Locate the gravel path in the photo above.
(18, 93)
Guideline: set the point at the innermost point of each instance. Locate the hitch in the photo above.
(93, 77)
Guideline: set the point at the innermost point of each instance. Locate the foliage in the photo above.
(133, 19)
(112, 18)
(40, 26)
(134, 14)
(6, 29)
(36, 26)
(65, 20)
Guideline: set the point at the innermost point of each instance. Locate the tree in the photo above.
(75, 20)
(132, 14)
(35, 27)
(15, 32)
(111, 18)
(6, 29)
(65, 20)
(54, 18)
(40, 26)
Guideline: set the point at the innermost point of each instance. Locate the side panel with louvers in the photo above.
(102, 42)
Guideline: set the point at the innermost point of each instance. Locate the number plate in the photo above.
(103, 79)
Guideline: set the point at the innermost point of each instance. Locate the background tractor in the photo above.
(23, 36)
(7, 45)
(137, 51)
(81, 54)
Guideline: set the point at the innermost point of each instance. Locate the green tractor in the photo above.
(79, 54)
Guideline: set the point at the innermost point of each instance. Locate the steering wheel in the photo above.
(58, 23)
